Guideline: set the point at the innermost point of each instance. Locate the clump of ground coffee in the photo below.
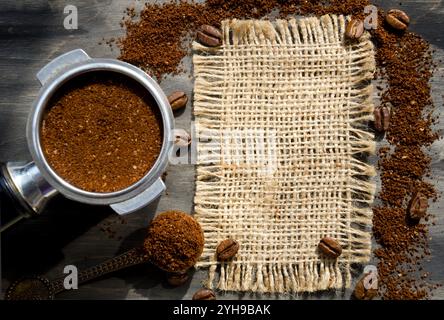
(102, 132)
(175, 241)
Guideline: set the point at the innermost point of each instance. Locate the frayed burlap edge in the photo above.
(284, 277)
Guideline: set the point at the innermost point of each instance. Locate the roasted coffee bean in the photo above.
(378, 119)
(204, 294)
(386, 114)
(182, 138)
(209, 36)
(417, 207)
(227, 249)
(397, 19)
(365, 290)
(330, 247)
(177, 279)
(354, 29)
(382, 118)
(178, 100)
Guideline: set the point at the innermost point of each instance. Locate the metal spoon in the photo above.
(40, 288)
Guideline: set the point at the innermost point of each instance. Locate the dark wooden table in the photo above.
(32, 34)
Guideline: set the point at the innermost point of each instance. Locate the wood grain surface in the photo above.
(31, 35)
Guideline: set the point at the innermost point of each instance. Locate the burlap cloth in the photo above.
(281, 112)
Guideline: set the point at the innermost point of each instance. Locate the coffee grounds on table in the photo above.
(174, 242)
(157, 41)
(405, 62)
(154, 39)
(102, 132)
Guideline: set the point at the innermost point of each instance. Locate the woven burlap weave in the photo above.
(281, 111)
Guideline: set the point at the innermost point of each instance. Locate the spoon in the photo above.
(160, 248)
(40, 288)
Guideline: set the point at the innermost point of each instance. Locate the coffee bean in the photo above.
(177, 279)
(386, 114)
(382, 118)
(209, 36)
(397, 19)
(330, 247)
(178, 100)
(227, 249)
(182, 138)
(354, 29)
(363, 291)
(378, 119)
(204, 294)
(417, 207)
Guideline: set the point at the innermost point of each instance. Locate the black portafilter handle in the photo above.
(13, 208)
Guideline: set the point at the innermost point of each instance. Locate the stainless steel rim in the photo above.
(49, 89)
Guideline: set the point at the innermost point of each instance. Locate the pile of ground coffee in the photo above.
(174, 242)
(405, 62)
(157, 41)
(102, 132)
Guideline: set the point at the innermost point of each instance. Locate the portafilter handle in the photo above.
(24, 192)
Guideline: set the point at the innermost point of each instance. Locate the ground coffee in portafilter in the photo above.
(102, 132)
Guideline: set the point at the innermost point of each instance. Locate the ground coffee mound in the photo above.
(174, 242)
(102, 132)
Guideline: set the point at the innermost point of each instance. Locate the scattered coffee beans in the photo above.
(364, 290)
(354, 29)
(397, 19)
(330, 247)
(177, 279)
(167, 25)
(417, 207)
(382, 118)
(209, 36)
(227, 249)
(204, 294)
(403, 60)
(178, 100)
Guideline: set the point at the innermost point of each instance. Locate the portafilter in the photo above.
(28, 187)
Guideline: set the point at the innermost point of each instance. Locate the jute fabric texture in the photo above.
(281, 112)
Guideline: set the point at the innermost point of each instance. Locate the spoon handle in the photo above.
(130, 258)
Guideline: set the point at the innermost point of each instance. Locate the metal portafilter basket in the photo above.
(27, 187)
